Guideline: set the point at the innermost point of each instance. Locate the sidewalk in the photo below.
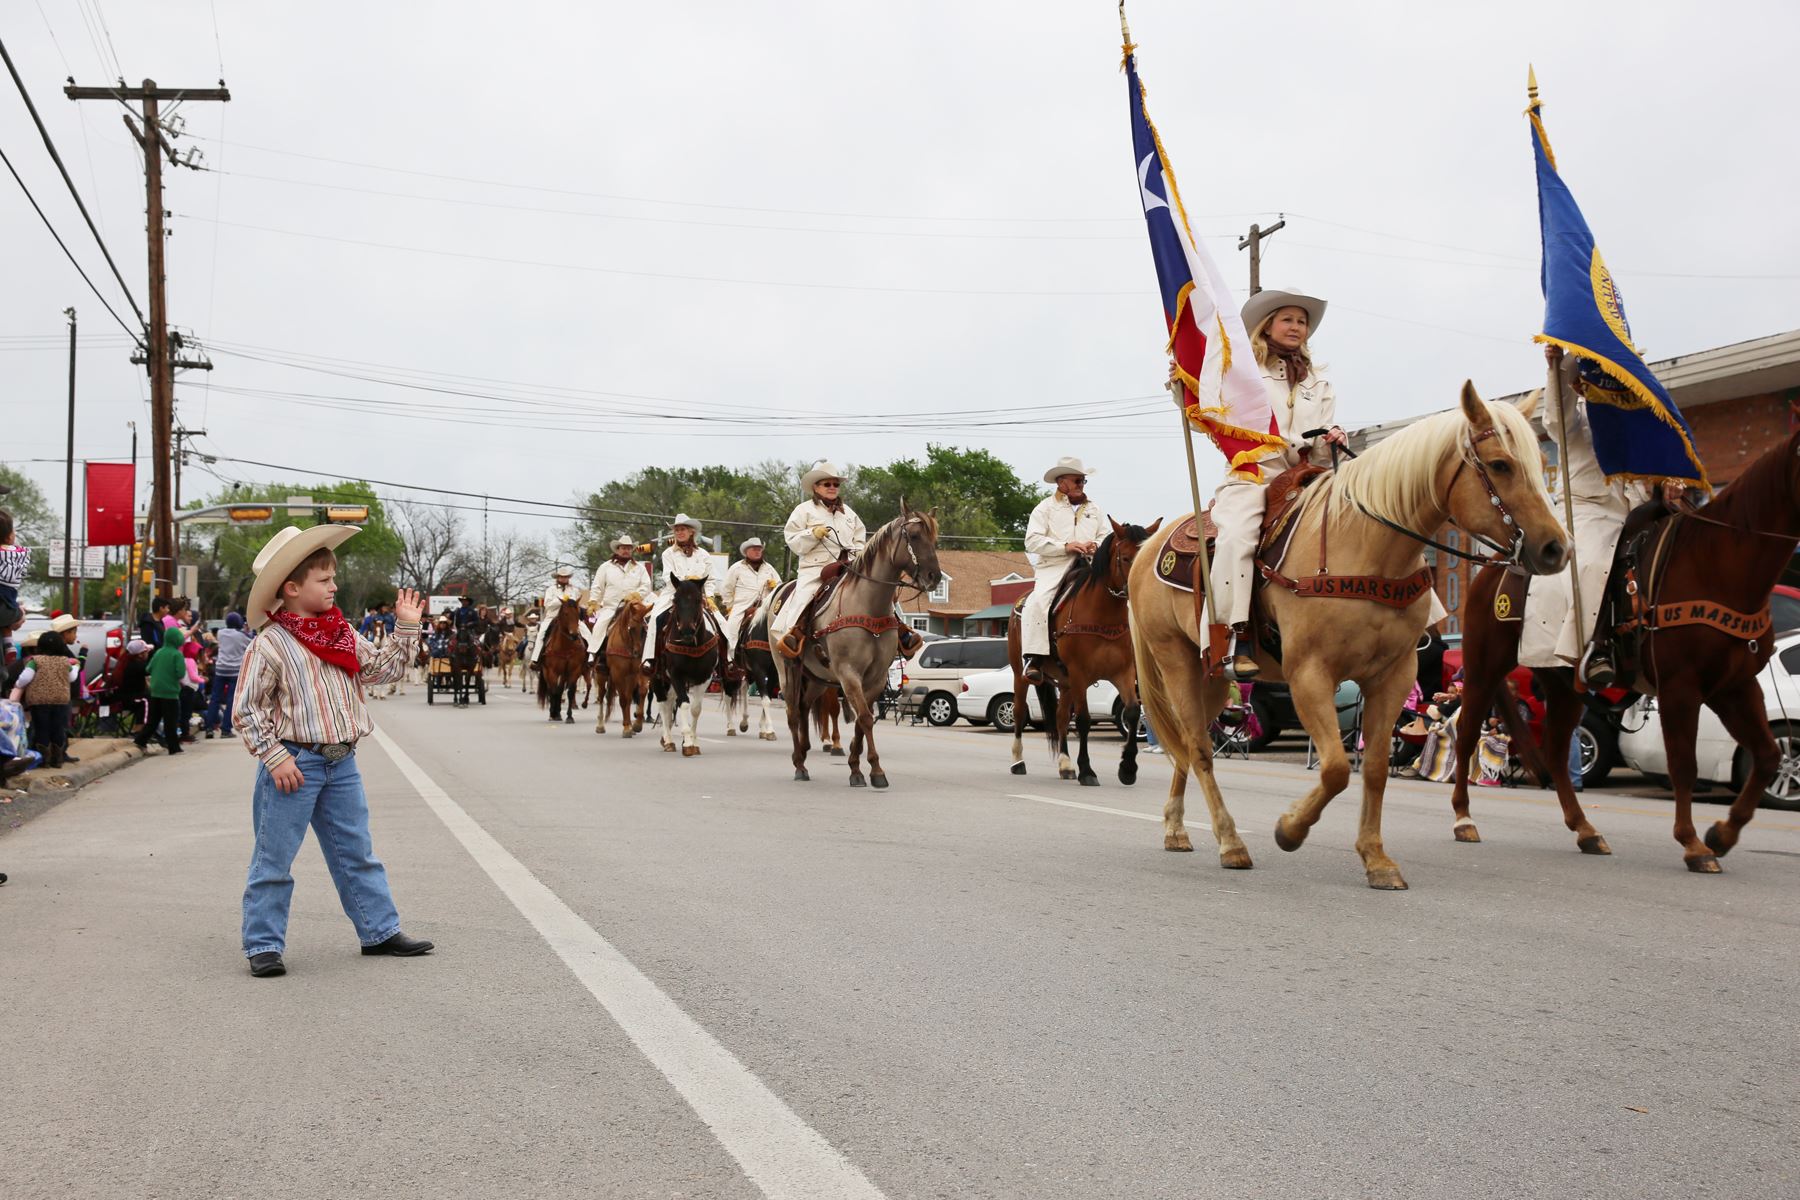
(38, 791)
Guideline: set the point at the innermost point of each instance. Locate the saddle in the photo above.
(829, 579)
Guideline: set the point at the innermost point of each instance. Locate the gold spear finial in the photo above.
(1125, 34)
(1531, 84)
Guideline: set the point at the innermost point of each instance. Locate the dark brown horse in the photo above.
(1730, 555)
(562, 664)
(1091, 625)
(621, 669)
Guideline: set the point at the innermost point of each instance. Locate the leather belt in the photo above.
(329, 751)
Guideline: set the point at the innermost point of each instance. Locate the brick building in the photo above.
(976, 595)
(1738, 399)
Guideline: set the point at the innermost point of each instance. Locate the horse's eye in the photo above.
(1500, 467)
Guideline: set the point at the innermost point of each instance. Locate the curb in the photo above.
(82, 773)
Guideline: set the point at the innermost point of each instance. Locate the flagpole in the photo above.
(1562, 453)
(1187, 431)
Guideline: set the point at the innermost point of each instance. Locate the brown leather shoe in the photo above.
(1243, 668)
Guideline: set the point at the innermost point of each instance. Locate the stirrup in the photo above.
(1597, 670)
(791, 644)
(1239, 667)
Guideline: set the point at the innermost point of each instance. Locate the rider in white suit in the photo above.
(1065, 524)
(617, 580)
(562, 590)
(684, 558)
(749, 578)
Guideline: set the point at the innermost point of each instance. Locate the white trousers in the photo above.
(734, 629)
(1238, 512)
(596, 635)
(1034, 622)
(544, 623)
(806, 586)
(1597, 530)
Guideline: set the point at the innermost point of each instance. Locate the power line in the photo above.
(57, 158)
(65, 248)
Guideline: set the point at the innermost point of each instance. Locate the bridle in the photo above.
(1508, 555)
(908, 568)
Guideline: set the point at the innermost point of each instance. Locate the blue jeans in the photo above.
(331, 800)
(218, 708)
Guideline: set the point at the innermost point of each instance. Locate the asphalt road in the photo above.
(668, 977)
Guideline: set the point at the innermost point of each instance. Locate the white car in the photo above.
(1718, 758)
(986, 698)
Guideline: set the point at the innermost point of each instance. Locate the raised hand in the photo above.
(408, 605)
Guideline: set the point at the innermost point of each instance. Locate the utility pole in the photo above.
(69, 477)
(1252, 242)
(156, 359)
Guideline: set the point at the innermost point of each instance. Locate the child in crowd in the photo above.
(301, 710)
(168, 671)
(15, 559)
(46, 687)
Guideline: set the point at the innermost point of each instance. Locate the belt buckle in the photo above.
(333, 752)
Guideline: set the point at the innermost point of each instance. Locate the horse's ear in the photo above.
(903, 508)
(1473, 407)
(1153, 527)
(1117, 528)
(1529, 405)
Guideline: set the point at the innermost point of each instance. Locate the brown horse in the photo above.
(621, 669)
(1477, 467)
(1757, 521)
(1090, 620)
(856, 636)
(511, 648)
(562, 664)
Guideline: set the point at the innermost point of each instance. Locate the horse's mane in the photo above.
(1764, 487)
(881, 541)
(1398, 478)
(1086, 573)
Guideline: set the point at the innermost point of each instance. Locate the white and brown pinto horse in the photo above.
(856, 635)
(1477, 467)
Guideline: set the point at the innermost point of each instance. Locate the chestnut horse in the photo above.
(1730, 555)
(621, 669)
(1477, 467)
(562, 664)
(1090, 620)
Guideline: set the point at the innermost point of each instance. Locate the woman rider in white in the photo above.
(749, 578)
(819, 529)
(683, 559)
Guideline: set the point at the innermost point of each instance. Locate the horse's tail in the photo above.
(543, 689)
(1153, 696)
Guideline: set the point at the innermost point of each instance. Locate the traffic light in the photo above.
(250, 514)
(347, 514)
(137, 555)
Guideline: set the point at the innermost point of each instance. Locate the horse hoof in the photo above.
(668, 747)
(838, 752)
(1466, 832)
(1595, 844)
(1239, 860)
(1386, 879)
(1065, 774)
(800, 776)
(1178, 841)
(767, 737)
(731, 733)
(878, 781)
(1018, 768)
(858, 781)
(1127, 777)
(1089, 780)
(690, 752)
(1704, 864)
(743, 727)
(1715, 839)
(1286, 840)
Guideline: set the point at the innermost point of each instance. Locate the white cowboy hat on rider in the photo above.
(624, 539)
(278, 558)
(1269, 301)
(1067, 466)
(747, 543)
(565, 572)
(683, 519)
(823, 469)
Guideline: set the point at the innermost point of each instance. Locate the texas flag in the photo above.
(1222, 386)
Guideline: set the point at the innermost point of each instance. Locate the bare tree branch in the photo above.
(429, 539)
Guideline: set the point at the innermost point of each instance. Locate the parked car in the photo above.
(104, 641)
(1719, 759)
(935, 676)
(986, 698)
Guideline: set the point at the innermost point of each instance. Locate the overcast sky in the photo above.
(831, 218)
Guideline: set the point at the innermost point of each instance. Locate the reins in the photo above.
(1469, 458)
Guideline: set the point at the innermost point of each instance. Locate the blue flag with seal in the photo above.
(1638, 432)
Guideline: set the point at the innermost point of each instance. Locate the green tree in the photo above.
(368, 563)
(976, 495)
(34, 524)
(730, 502)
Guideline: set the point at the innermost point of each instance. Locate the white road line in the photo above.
(1101, 808)
(779, 1153)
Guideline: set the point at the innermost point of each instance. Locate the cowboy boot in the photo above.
(1032, 668)
(910, 642)
(1243, 667)
(1597, 669)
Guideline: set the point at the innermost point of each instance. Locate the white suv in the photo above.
(933, 680)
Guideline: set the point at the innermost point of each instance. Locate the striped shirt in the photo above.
(286, 693)
(15, 561)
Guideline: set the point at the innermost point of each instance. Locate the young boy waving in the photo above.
(300, 710)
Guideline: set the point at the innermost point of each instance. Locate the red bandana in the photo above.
(327, 635)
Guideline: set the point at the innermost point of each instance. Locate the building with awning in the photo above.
(975, 596)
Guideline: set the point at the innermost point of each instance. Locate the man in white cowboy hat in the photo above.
(749, 579)
(301, 711)
(562, 590)
(617, 580)
(1063, 525)
(820, 530)
(684, 558)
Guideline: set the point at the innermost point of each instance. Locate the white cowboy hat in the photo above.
(624, 539)
(63, 622)
(564, 572)
(683, 519)
(1261, 306)
(278, 558)
(823, 469)
(1067, 466)
(749, 542)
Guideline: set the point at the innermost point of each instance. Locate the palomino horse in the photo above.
(562, 664)
(1685, 664)
(1090, 623)
(685, 663)
(856, 636)
(511, 649)
(1477, 467)
(620, 666)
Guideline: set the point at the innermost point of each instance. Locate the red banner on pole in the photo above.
(111, 491)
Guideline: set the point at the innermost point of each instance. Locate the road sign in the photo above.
(85, 561)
